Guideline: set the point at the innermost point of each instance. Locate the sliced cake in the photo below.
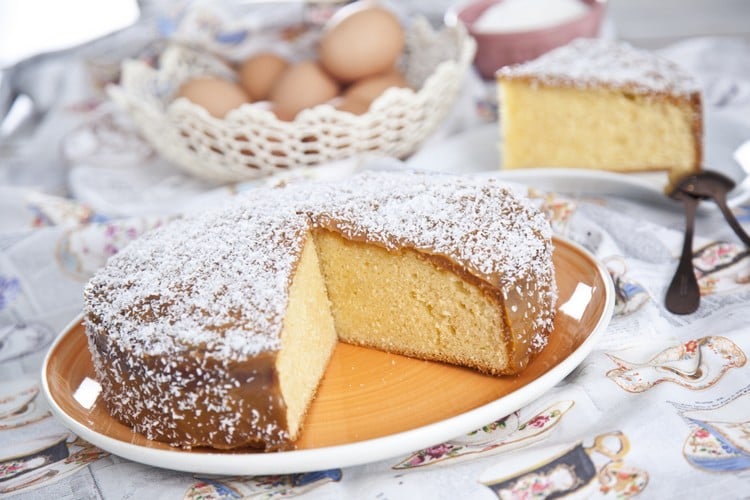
(600, 104)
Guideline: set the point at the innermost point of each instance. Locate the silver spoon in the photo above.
(713, 185)
(683, 294)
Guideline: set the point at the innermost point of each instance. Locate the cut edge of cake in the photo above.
(396, 301)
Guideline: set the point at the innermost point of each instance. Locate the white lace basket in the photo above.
(250, 142)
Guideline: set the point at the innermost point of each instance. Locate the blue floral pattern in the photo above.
(9, 289)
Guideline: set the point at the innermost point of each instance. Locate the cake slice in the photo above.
(600, 104)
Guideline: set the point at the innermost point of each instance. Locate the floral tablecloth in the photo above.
(660, 408)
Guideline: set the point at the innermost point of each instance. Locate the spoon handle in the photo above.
(683, 294)
(721, 201)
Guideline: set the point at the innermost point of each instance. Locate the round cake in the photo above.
(215, 329)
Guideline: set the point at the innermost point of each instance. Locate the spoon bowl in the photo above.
(705, 185)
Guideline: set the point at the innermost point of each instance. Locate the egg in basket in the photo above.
(389, 110)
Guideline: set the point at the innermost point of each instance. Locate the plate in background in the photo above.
(478, 150)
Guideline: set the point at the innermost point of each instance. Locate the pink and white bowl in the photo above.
(498, 49)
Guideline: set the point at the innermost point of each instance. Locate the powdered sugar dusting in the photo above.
(183, 324)
(475, 222)
(220, 280)
(592, 63)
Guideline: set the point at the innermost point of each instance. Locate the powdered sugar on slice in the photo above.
(591, 63)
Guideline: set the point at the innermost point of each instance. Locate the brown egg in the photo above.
(353, 105)
(362, 40)
(302, 85)
(258, 74)
(369, 89)
(215, 95)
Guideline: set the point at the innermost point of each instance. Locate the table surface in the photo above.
(656, 24)
(658, 409)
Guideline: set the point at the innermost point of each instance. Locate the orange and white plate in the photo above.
(370, 405)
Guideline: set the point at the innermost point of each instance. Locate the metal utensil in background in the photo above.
(683, 294)
(715, 186)
(38, 33)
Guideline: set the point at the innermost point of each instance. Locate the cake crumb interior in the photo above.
(612, 128)
(404, 302)
(397, 301)
(308, 338)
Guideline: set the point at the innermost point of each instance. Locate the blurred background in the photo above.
(651, 24)
(30, 26)
(43, 44)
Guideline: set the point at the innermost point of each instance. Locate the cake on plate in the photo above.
(600, 104)
(216, 329)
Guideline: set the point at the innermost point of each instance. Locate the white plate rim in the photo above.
(350, 454)
(636, 185)
(603, 183)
